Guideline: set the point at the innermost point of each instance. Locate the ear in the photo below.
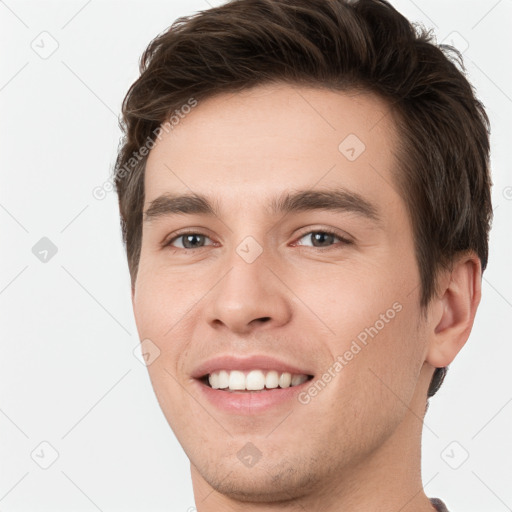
(453, 309)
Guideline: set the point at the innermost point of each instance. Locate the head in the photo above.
(248, 122)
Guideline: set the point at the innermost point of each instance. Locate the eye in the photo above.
(188, 241)
(323, 238)
(318, 239)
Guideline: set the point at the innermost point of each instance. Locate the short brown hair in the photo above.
(443, 154)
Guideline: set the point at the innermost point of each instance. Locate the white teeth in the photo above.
(255, 380)
(214, 380)
(223, 379)
(236, 380)
(271, 380)
(285, 380)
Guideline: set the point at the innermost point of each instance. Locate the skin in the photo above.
(356, 445)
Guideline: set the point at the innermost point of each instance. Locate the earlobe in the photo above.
(454, 311)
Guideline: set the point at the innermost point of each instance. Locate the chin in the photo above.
(266, 482)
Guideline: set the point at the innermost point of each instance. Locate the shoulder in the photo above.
(438, 504)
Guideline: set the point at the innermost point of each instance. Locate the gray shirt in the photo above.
(438, 504)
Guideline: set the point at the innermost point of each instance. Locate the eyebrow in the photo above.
(339, 200)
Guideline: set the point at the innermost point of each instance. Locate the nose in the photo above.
(249, 297)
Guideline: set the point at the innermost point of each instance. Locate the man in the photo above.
(305, 201)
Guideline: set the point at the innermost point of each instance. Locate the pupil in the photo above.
(192, 240)
(322, 238)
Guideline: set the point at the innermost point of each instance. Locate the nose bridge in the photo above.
(248, 291)
(249, 276)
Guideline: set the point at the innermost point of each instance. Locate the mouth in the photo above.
(251, 384)
(252, 381)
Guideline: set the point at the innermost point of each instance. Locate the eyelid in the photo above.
(342, 236)
(187, 231)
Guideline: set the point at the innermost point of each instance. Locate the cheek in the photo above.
(161, 299)
(373, 333)
(161, 318)
(387, 368)
(162, 314)
(349, 307)
(375, 386)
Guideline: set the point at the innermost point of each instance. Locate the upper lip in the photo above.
(253, 362)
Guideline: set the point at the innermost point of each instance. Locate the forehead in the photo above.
(257, 143)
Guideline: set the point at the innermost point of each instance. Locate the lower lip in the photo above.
(251, 402)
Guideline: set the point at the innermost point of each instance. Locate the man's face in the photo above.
(258, 289)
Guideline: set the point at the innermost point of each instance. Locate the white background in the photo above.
(67, 370)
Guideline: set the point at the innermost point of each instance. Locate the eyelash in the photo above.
(343, 240)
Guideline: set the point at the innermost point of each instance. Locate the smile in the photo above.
(251, 384)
